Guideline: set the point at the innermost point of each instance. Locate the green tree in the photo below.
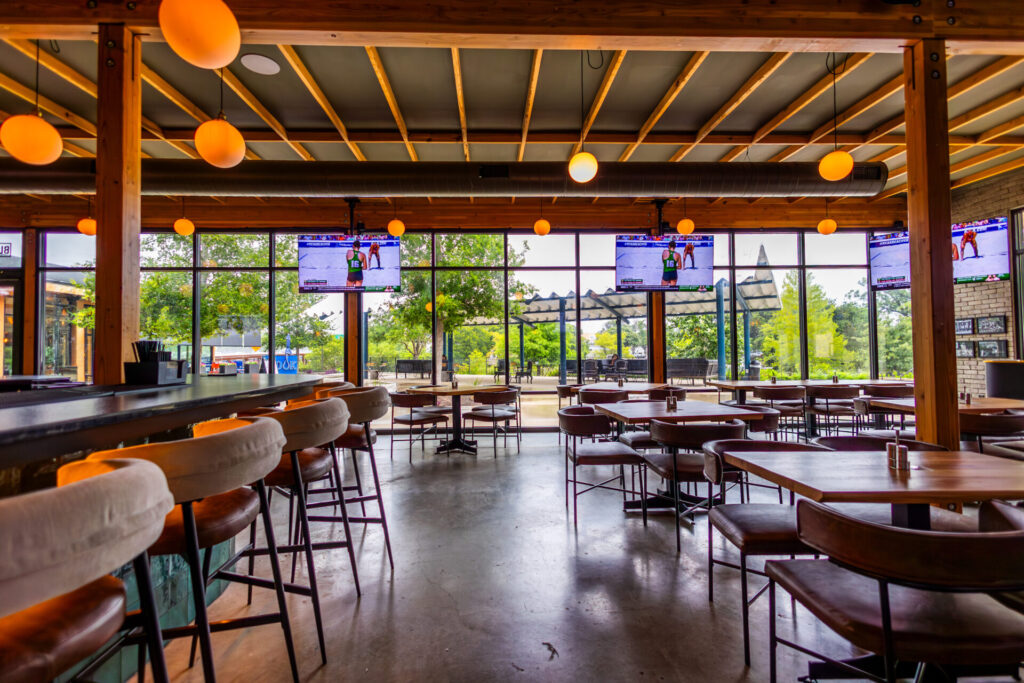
(780, 331)
(691, 336)
(895, 340)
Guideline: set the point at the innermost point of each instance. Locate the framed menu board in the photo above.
(965, 325)
(995, 324)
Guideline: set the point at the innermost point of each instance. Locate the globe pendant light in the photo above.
(827, 226)
(583, 164)
(685, 226)
(217, 141)
(184, 226)
(87, 225)
(202, 32)
(28, 137)
(542, 226)
(396, 228)
(837, 164)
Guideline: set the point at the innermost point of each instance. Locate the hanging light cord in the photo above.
(220, 114)
(581, 100)
(182, 206)
(835, 69)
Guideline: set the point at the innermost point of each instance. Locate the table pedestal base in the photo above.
(457, 444)
(663, 501)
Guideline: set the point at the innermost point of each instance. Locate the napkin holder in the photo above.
(156, 372)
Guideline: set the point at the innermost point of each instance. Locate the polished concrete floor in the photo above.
(492, 583)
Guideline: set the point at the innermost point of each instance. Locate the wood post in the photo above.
(931, 266)
(353, 338)
(32, 290)
(118, 200)
(656, 352)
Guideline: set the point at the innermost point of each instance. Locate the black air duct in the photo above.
(452, 179)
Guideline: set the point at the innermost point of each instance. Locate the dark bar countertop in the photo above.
(65, 421)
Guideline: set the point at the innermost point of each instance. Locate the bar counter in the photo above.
(103, 417)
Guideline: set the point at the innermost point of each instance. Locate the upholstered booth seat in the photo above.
(928, 626)
(43, 641)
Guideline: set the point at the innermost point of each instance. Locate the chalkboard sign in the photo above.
(965, 326)
(992, 348)
(995, 324)
(965, 349)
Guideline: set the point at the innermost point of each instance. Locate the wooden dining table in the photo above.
(940, 477)
(642, 412)
(629, 387)
(457, 442)
(977, 406)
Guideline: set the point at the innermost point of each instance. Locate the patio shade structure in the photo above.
(757, 292)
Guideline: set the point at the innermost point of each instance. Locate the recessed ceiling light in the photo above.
(260, 64)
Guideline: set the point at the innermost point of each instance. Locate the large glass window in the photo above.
(895, 340)
(698, 334)
(837, 323)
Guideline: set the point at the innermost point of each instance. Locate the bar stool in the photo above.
(209, 477)
(687, 467)
(58, 603)
(365, 404)
(494, 412)
(309, 427)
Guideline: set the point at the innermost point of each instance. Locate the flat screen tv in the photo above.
(349, 263)
(980, 251)
(889, 262)
(679, 263)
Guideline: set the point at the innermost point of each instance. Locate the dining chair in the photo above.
(791, 402)
(905, 595)
(583, 422)
(760, 529)
(683, 459)
(989, 428)
(662, 393)
(494, 411)
(419, 423)
(592, 396)
(872, 443)
(831, 404)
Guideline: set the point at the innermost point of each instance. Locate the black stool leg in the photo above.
(207, 555)
(252, 557)
(307, 542)
(344, 519)
(380, 496)
(147, 603)
(198, 591)
(275, 568)
(746, 609)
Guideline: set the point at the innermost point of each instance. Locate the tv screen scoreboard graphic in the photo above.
(349, 263)
(678, 263)
(980, 251)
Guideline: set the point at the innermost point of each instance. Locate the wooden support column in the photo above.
(931, 267)
(118, 200)
(656, 323)
(353, 338)
(32, 291)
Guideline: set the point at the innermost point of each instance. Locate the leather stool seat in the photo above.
(605, 453)
(418, 418)
(639, 441)
(218, 518)
(487, 415)
(45, 640)
(314, 463)
(760, 529)
(355, 437)
(928, 626)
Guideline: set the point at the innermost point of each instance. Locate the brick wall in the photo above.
(997, 196)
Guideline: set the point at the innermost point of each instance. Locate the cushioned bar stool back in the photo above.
(313, 423)
(57, 546)
(209, 476)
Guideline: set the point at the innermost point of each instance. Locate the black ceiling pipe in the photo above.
(452, 179)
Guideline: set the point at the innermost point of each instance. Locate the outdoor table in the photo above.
(739, 388)
(456, 443)
(687, 411)
(865, 477)
(977, 406)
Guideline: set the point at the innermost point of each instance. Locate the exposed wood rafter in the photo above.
(251, 101)
(460, 99)
(389, 95)
(599, 97)
(531, 93)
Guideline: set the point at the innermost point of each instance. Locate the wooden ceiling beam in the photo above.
(599, 97)
(763, 73)
(531, 94)
(689, 69)
(814, 92)
(304, 74)
(389, 95)
(964, 164)
(611, 213)
(460, 99)
(251, 101)
(971, 25)
(46, 104)
(988, 173)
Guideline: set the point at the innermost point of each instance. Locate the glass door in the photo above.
(10, 315)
